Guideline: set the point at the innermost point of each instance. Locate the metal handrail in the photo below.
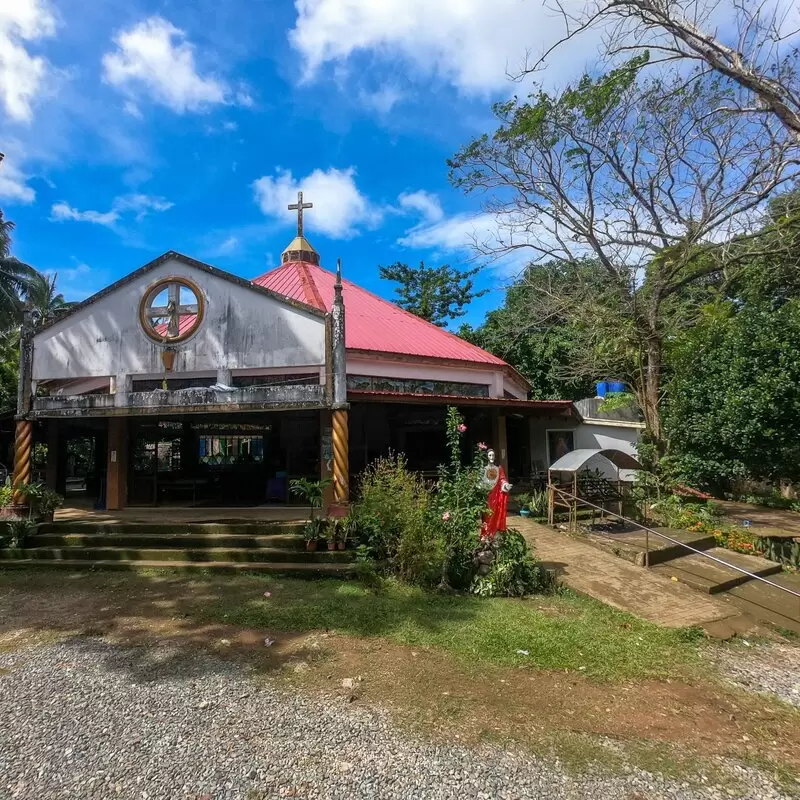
(674, 541)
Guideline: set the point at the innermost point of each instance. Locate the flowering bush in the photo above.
(704, 518)
(461, 502)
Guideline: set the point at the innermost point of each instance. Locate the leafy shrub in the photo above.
(18, 532)
(674, 512)
(394, 516)
(514, 572)
(6, 494)
(538, 503)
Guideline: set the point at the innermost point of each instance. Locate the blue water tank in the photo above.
(602, 388)
(616, 386)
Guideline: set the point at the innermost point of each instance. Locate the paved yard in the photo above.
(84, 718)
(619, 583)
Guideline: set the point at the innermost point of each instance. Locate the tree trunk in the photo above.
(651, 391)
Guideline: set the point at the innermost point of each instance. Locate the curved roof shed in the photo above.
(614, 465)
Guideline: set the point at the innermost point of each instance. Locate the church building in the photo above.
(200, 388)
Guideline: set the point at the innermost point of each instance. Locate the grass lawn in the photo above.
(562, 632)
(596, 685)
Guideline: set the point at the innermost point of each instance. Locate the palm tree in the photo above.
(40, 293)
(14, 276)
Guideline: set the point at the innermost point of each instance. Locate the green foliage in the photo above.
(394, 514)
(18, 532)
(314, 529)
(543, 349)
(514, 572)
(460, 502)
(674, 512)
(772, 499)
(6, 494)
(48, 501)
(437, 294)
(310, 491)
(733, 406)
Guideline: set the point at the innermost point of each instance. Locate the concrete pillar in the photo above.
(499, 439)
(326, 456)
(224, 377)
(341, 456)
(23, 452)
(117, 464)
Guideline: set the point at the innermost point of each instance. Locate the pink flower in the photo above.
(483, 446)
(446, 516)
(462, 428)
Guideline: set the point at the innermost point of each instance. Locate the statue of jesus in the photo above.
(494, 479)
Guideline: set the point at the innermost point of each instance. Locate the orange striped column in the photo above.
(23, 452)
(341, 456)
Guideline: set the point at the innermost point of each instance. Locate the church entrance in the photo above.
(221, 460)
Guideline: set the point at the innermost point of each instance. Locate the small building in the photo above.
(196, 387)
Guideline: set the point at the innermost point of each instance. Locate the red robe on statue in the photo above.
(495, 519)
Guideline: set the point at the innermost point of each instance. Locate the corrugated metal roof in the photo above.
(371, 323)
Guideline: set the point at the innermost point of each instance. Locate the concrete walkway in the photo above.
(623, 585)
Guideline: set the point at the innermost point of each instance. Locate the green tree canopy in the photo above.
(544, 350)
(437, 294)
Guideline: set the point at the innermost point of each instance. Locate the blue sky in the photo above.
(132, 128)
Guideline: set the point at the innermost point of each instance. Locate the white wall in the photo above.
(607, 437)
(242, 329)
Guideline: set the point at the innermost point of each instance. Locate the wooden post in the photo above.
(499, 438)
(23, 453)
(117, 464)
(341, 457)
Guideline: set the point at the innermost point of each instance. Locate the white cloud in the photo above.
(228, 246)
(383, 100)
(139, 205)
(340, 209)
(22, 74)
(61, 212)
(13, 188)
(454, 234)
(471, 43)
(155, 58)
(423, 202)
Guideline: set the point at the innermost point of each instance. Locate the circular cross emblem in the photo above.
(171, 310)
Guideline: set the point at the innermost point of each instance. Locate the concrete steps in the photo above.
(712, 578)
(633, 545)
(284, 568)
(183, 547)
(195, 555)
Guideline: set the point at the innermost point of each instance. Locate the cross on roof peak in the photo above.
(299, 206)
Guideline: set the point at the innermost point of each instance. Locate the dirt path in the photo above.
(764, 521)
(666, 725)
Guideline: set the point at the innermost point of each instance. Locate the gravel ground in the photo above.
(766, 667)
(88, 719)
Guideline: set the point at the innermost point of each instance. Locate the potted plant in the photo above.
(347, 528)
(311, 534)
(46, 503)
(524, 501)
(332, 532)
(310, 491)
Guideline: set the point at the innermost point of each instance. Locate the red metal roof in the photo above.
(185, 323)
(372, 323)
